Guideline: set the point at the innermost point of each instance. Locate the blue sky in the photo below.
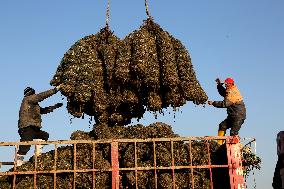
(242, 39)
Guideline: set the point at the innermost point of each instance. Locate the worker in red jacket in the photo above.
(234, 103)
(30, 119)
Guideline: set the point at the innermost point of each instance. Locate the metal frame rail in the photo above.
(233, 153)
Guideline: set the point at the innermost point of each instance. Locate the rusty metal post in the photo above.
(75, 165)
(115, 165)
(15, 169)
(209, 162)
(155, 165)
(35, 168)
(55, 166)
(173, 164)
(235, 163)
(191, 163)
(94, 160)
(135, 159)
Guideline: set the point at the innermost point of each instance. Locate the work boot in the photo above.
(19, 160)
(38, 147)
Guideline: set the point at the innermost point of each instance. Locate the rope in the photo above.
(147, 9)
(107, 13)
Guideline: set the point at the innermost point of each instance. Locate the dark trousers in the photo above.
(277, 182)
(28, 134)
(233, 123)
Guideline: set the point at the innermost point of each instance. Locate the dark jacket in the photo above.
(30, 111)
(278, 178)
(233, 101)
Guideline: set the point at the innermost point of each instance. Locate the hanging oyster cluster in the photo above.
(116, 80)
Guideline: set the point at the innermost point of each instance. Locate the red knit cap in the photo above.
(229, 80)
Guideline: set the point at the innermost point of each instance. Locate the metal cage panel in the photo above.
(233, 147)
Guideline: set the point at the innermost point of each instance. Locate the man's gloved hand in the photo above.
(59, 87)
(58, 105)
(210, 102)
(218, 81)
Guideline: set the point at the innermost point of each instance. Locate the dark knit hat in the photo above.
(29, 90)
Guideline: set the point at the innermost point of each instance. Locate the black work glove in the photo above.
(218, 81)
(58, 105)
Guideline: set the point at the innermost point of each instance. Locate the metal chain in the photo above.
(254, 180)
(107, 13)
(147, 9)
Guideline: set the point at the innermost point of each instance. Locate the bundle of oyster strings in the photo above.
(116, 80)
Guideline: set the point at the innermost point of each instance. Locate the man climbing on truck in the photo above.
(29, 123)
(235, 105)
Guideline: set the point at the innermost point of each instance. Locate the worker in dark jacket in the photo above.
(30, 120)
(234, 103)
